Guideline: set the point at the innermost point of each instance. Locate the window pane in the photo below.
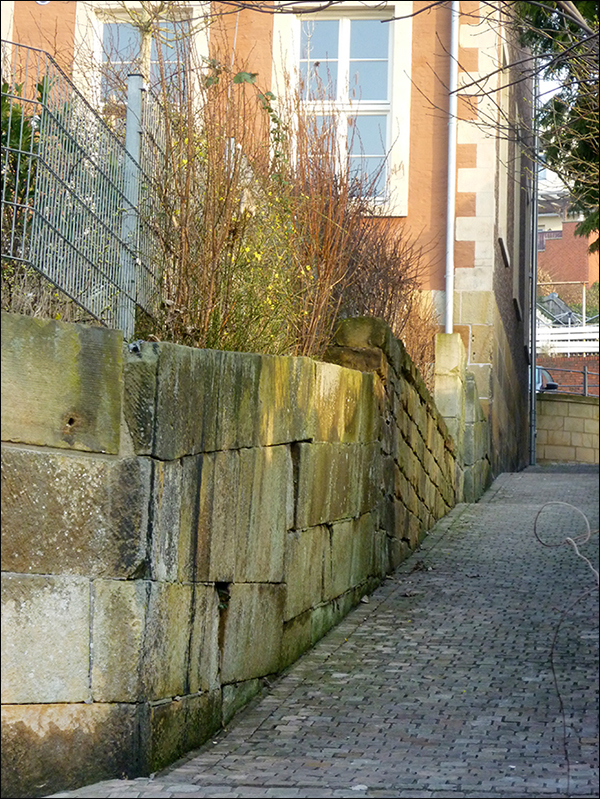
(323, 124)
(367, 135)
(368, 80)
(319, 80)
(173, 38)
(369, 38)
(319, 39)
(120, 42)
(369, 175)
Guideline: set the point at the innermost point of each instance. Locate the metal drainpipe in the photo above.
(533, 278)
(451, 193)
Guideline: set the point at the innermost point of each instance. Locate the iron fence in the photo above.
(76, 200)
(585, 383)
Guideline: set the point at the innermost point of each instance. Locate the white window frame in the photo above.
(89, 37)
(286, 60)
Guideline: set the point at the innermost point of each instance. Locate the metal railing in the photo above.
(585, 386)
(72, 192)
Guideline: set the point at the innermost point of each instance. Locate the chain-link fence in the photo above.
(72, 193)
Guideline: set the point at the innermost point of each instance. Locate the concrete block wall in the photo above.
(567, 429)
(179, 524)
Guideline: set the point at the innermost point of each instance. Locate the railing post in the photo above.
(130, 221)
(585, 381)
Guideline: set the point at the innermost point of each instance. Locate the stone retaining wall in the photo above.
(567, 428)
(178, 525)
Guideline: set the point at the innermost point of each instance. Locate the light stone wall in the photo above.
(179, 524)
(457, 399)
(567, 429)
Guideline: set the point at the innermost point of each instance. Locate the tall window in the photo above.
(121, 50)
(344, 69)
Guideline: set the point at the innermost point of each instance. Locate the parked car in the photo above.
(544, 380)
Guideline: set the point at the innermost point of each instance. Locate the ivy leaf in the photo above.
(245, 77)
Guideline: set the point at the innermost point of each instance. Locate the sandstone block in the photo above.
(338, 578)
(265, 513)
(305, 561)
(363, 332)
(45, 639)
(71, 514)
(218, 517)
(204, 654)
(285, 395)
(139, 395)
(179, 726)
(191, 480)
(334, 482)
(236, 696)
(61, 384)
(297, 638)
(119, 615)
(344, 405)
(166, 640)
(216, 395)
(252, 632)
(364, 555)
(48, 748)
(166, 501)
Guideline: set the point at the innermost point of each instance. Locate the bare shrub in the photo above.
(384, 280)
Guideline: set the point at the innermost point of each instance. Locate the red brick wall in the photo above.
(572, 379)
(567, 258)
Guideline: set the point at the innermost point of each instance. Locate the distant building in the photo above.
(561, 254)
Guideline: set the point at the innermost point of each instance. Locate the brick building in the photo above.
(404, 69)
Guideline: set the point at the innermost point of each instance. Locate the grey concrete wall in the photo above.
(179, 524)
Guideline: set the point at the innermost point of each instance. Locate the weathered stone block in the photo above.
(179, 726)
(216, 395)
(574, 424)
(327, 616)
(71, 514)
(305, 560)
(344, 405)
(265, 513)
(236, 696)
(450, 356)
(218, 517)
(189, 518)
(297, 638)
(449, 396)
(61, 384)
(338, 577)
(335, 481)
(285, 397)
(363, 360)
(364, 332)
(118, 624)
(252, 632)
(166, 640)
(399, 551)
(48, 748)
(559, 438)
(45, 639)
(139, 396)
(364, 557)
(204, 654)
(166, 502)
